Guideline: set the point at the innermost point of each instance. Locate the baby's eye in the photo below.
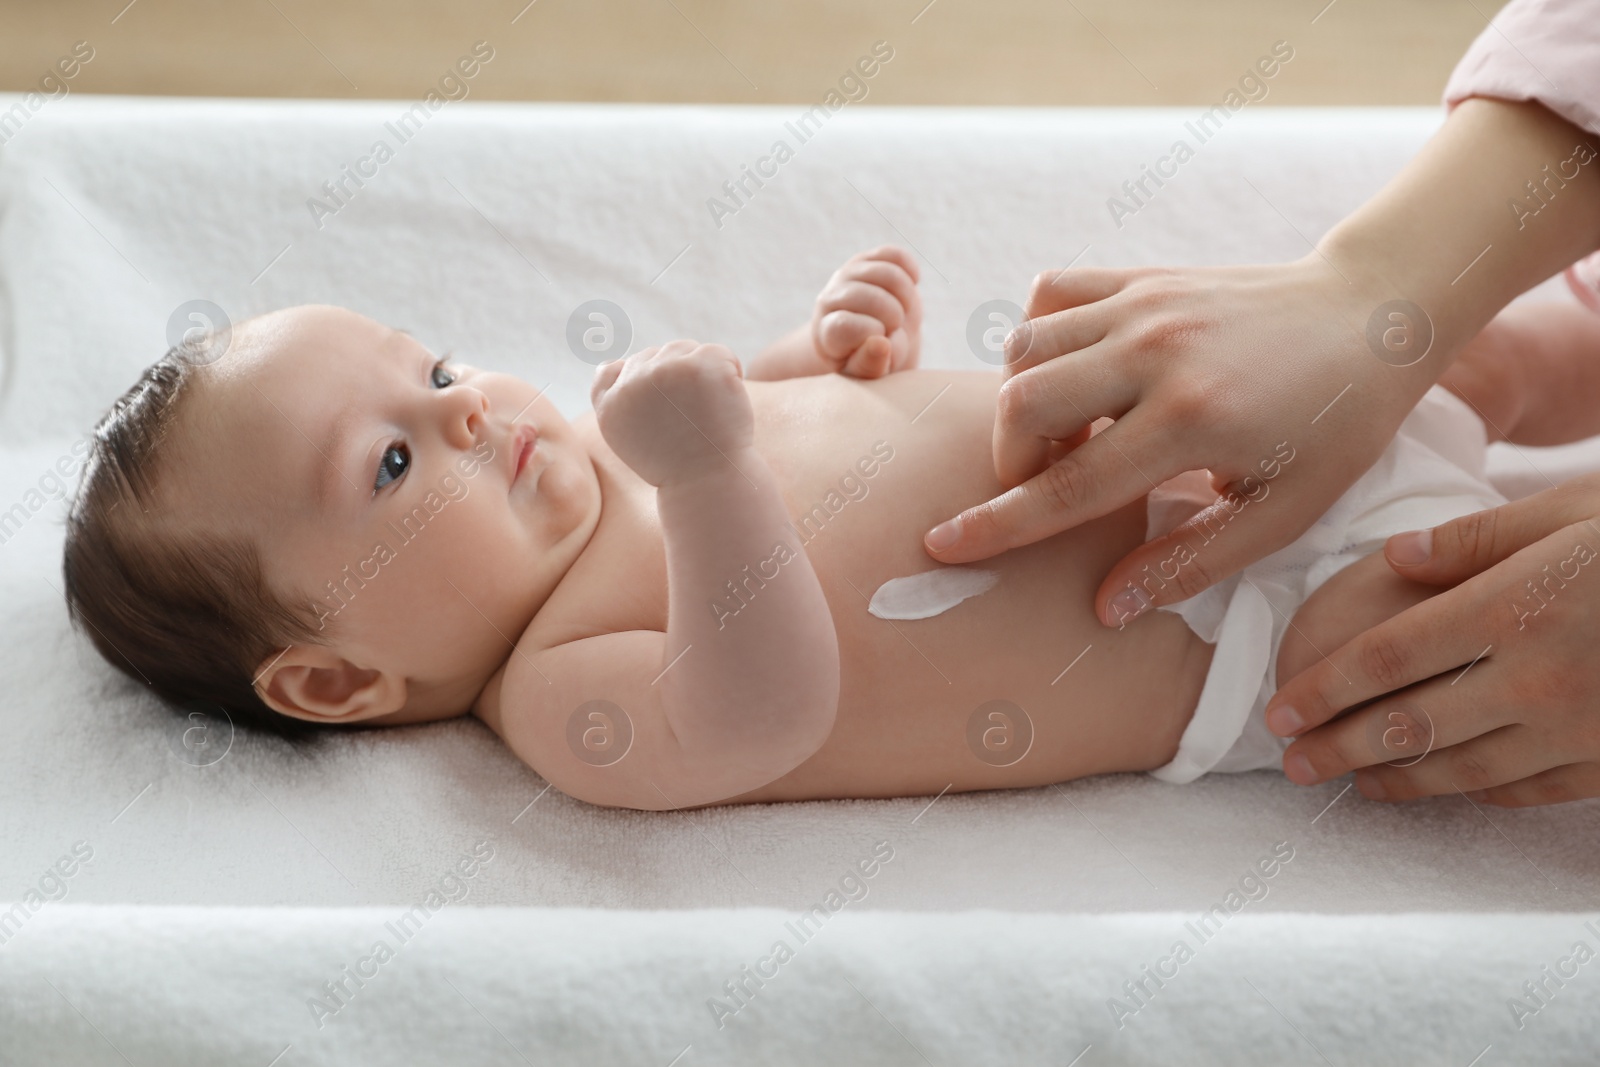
(442, 375)
(396, 459)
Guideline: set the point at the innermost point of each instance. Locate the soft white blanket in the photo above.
(190, 986)
(483, 233)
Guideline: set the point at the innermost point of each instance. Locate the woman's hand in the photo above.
(1230, 369)
(1491, 688)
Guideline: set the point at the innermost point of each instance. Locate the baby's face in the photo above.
(427, 508)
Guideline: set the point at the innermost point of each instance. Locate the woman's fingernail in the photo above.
(943, 535)
(1283, 720)
(1371, 787)
(1127, 606)
(1410, 549)
(1298, 770)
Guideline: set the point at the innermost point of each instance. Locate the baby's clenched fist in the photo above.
(674, 412)
(868, 319)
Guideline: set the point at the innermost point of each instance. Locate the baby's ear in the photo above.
(315, 683)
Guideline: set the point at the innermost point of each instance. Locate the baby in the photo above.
(665, 604)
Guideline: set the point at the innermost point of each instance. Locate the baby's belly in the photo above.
(1017, 686)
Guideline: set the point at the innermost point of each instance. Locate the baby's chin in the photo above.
(561, 497)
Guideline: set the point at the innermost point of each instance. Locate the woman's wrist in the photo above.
(1383, 344)
(1445, 234)
(1415, 320)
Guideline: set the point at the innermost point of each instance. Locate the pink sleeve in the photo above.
(1546, 51)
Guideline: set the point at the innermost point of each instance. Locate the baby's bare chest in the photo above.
(865, 471)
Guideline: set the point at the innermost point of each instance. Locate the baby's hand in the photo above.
(868, 320)
(674, 412)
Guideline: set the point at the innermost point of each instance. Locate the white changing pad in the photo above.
(483, 234)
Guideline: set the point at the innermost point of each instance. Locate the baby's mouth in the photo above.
(523, 440)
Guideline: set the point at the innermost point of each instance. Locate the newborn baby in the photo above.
(665, 603)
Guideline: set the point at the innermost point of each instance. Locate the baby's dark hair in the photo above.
(189, 614)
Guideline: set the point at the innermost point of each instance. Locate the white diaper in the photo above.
(1433, 471)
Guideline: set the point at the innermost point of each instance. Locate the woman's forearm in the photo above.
(1447, 233)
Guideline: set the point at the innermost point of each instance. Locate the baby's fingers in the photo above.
(871, 360)
(867, 299)
(605, 376)
(891, 254)
(888, 276)
(840, 333)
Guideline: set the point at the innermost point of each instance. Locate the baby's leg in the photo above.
(1353, 601)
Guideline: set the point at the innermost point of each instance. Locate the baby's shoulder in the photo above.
(573, 711)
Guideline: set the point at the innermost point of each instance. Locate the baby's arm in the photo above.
(737, 692)
(1533, 373)
(867, 323)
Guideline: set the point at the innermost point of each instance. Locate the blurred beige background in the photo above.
(1027, 52)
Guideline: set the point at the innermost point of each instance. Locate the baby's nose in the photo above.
(468, 411)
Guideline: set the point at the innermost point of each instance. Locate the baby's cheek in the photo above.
(486, 554)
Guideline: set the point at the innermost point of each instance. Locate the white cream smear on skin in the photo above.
(922, 596)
